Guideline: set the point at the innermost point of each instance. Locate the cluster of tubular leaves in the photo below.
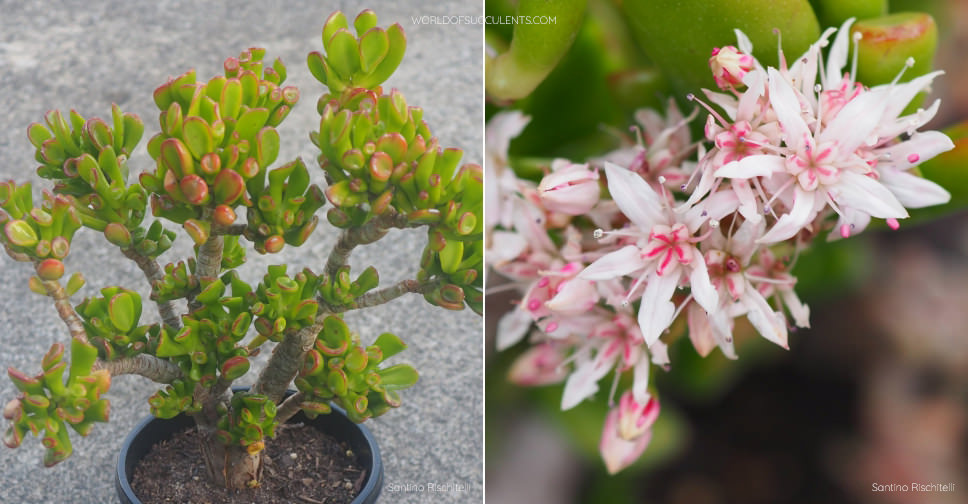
(178, 281)
(340, 290)
(339, 369)
(458, 266)
(42, 234)
(88, 161)
(177, 397)
(208, 346)
(48, 405)
(111, 323)
(285, 303)
(361, 61)
(250, 419)
(284, 210)
(379, 156)
(215, 137)
(369, 145)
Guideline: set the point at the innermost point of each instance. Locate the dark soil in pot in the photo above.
(304, 465)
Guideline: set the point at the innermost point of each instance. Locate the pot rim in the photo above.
(374, 479)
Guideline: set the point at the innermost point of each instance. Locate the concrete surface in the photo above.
(87, 55)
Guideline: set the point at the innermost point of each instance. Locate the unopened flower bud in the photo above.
(729, 66)
(539, 365)
(634, 418)
(570, 188)
(617, 451)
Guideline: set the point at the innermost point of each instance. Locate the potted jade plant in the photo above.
(662, 182)
(216, 175)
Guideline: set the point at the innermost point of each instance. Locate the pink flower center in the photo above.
(813, 166)
(668, 243)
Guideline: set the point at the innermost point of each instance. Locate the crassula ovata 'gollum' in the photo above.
(216, 174)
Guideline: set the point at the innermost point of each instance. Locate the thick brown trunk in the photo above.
(230, 466)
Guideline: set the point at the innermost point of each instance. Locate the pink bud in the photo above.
(619, 453)
(635, 419)
(729, 66)
(570, 188)
(573, 297)
(539, 365)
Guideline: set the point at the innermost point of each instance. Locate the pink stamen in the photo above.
(893, 224)
(712, 111)
(845, 230)
(913, 158)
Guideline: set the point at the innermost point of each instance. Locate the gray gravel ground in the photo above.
(86, 55)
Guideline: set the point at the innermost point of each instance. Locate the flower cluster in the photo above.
(704, 231)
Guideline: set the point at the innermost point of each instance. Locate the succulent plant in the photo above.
(217, 174)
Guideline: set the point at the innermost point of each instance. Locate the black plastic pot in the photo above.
(152, 430)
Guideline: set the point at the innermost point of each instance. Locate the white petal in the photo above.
(614, 264)
(700, 331)
(726, 102)
(867, 195)
(638, 201)
(505, 246)
(749, 101)
(576, 296)
(891, 128)
(660, 353)
(707, 180)
(743, 42)
(856, 221)
(512, 327)
(702, 288)
(747, 201)
(786, 104)
(790, 224)
(760, 165)
(902, 94)
(924, 145)
(640, 383)
(855, 122)
(720, 323)
(657, 309)
(770, 324)
(583, 381)
(718, 205)
(913, 191)
(837, 57)
(502, 128)
(743, 242)
(800, 311)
